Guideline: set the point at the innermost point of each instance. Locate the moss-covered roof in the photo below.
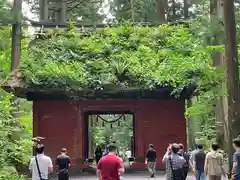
(116, 59)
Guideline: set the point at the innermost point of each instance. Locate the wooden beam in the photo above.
(65, 25)
(16, 34)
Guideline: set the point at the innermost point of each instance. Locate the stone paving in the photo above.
(126, 177)
(134, 176)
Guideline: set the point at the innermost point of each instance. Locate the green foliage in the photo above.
(15, 116)
(146, 10)
(5, 12)
(120, 133)
(15, 150)
(87, 12)
(128, 56)
(84, 11)
(5, 51)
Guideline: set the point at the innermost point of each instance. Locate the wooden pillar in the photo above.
(139, 133)
(52, 15)
(43, 4)
(16, 34)
(80, 137)
(63, 11)
(35, 122)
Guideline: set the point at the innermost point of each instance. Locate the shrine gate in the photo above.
(158, 119)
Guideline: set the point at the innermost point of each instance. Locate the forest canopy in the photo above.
(127, 56)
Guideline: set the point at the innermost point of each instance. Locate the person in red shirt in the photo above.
(110, 167)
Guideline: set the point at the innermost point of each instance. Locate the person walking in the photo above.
(151, 157)
(186, 157)
(214, 164)
(174, 163)
(128, 155)
(62, 165)
(199, 162)
(192, 154)
(98, 153)
(40, 165)
(110, 166)
(236, 160)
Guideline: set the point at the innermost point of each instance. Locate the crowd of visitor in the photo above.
(204, 165)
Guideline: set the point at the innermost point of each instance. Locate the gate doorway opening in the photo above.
(104, 128)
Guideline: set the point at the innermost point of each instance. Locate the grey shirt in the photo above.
(192, 155)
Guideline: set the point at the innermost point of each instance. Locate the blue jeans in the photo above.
(200, 175)
(237, 176)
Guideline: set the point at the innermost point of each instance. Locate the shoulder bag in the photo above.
(39, 172)
(176, 174)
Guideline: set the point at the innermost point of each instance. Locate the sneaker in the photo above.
(152, 176)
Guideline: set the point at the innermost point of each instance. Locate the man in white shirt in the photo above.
(40, 165)
(128, 155)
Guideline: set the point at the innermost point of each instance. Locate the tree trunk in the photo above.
(174, 10)
(161, 10)
(216, 19)
(16, 34)
(133, 10)
(232, 73)
(185, 10)
(190, 129)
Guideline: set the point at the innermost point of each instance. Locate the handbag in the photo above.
(176, 174)
(39, 172)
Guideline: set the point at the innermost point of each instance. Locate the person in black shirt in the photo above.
(185, 155)
(199, 162)
(98, 153)
(151, 157)
(62, 164)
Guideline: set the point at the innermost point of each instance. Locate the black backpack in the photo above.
(186, 157)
